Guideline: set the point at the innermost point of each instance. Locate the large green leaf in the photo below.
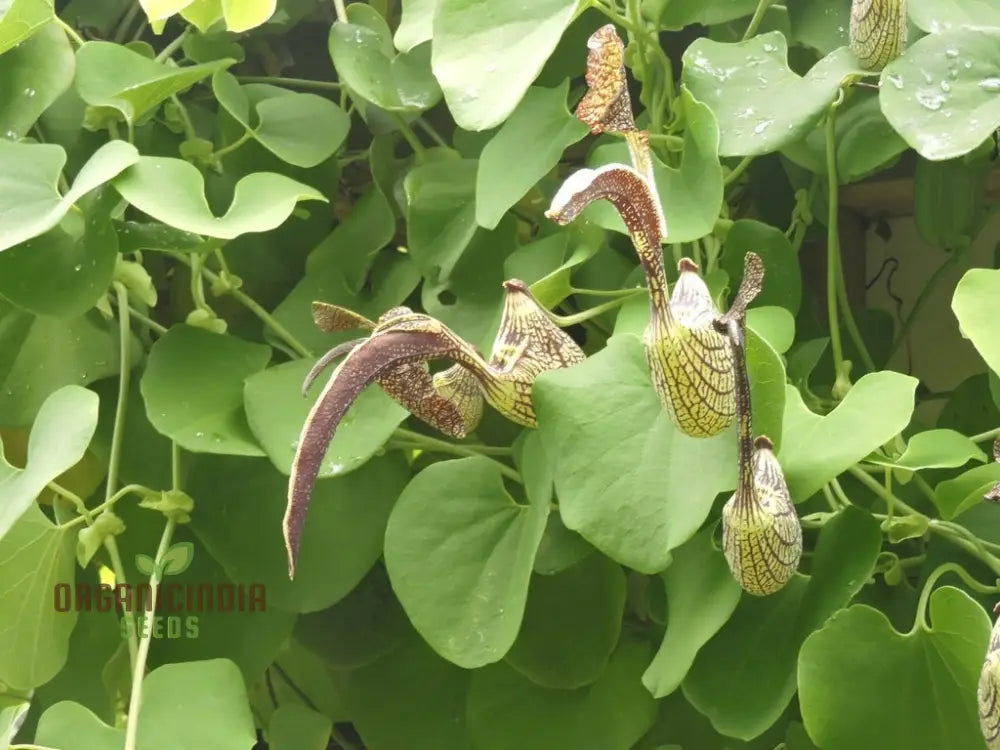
(415, 25)
(571, 624)
(487, 52)
(934, 449)
(62, 431)
(862, 684)
(70, 726)
(943, 95)
(505, 710)
(440, 213)
(681, 13)
(40, 355)
(21, 19)
(112, 75)
(822, 24)
(738, 82)
(276, 412)
(342, 540)
(935, 16)
(173, 191)
(366, 62)
(528, 145)
(744, 678)
(459, 552)
(956, 495)
(627, 479)
(29, 174)
(974, 304)
(690, 195)
(35, 558)
(701, 596)
(296, 727)
(193, 389)
(65, 271)
(32, 76)
(782, 275)
(243, 15)
(301, 129)
(816, 449)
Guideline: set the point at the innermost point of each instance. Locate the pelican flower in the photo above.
(878, 31)
(527, 343)
(989, 690)
(761, 533)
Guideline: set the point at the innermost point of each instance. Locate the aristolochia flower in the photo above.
(994, 494)
(395, 356)
(761, 533)
(878, 31)
(989, 691)
(690, 361)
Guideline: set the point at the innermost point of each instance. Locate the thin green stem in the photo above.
(565, 321)
(838, 491)
(890, 499)
(673, 142)
(607, 292)
(849, 321)
(147, 321)
(411, 138)
(921, 484)
(414, 440)
(758, 16)
(139, 670)
(429, 129)
(341, 10)
(189, 131)
(925, 594)
(925, 293)
(832, 239)
(87, 514)
(247, 135)
(830, 499)
(485, 450)
(175, 465)
(70, 32)
(618, 18)
(175, 45)
(982, 437)
(126, 23)
(738, 170)
(303, 83)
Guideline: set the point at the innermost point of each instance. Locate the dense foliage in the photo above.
(180, 180)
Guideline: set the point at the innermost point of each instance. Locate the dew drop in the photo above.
(951, 52)
(77, 267)
(990, 84)
(896, 81)
(29, 92)
(930, 100)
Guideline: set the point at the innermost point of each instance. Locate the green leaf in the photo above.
(487, 52)
(773, 325)
(70, 726)
(862, 684)
(943, 95)
(822, 24)
(160, 10)
(958, 494)
(974, 304)
(817, 449)
(28, 177)
(211, 698)
(276, 412)
(342, 539)
(295, 727)
(459, 553)
(22, 19)
(62, 431)
(767, 388)
(145, 564)
(301, 129)
(415, 25)
(681, 13)
(243, 15)
(606, 435)
(935, 16)
(701, 595)
(366, 62)
(90, 538)
(32, 76)
(526, 148)
(571, 624)
(392, 707)
(737, 80)
(690, 195)
(173, 191)
(193, 389)
(440, 213)
(505, 710)
(744, 678)
(40, 355)
(934, 449)
(37, 558)
(782, 275)
(112, 75)
(64, 272)
(11, 719)
(202, 13)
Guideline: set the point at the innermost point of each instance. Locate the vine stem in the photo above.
(174, 45)
(833, 237)
(247, 135)
(341, 10)
(564, 321)
(410, 439)
(925, 594)
(411, 138)
(758, 16)
(87, 514)
(126, 23)
(114, 461)
(139, 669)
(982, 437)
(738, 170)
(70, 32)
(304, 83)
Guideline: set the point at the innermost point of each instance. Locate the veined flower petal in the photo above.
(988, 691)
(878, 31)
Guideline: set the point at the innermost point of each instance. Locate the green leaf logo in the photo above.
(144, 564)
(178, 558)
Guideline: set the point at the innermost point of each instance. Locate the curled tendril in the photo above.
(761, 533)
(395, 356)
(878, 31)
(988, 691)
(994, 494)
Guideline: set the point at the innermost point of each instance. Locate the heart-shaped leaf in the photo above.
(936, 16)
(173, 191)
(74, 727)
(735, 79)
(243, 15)
(22, 19)
(32, 76)
(782, 275)
(934, 449)
(459, 552)
(29, 174)
(975, 306)
(943, 95)
(415, 24)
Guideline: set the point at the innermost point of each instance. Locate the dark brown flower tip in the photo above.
(763, 442)
(606, 105)
(996, 449)
(750, 286)
(996, 608)
(374, 357)
(686, 264)
(515, 285)
(329, 318)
